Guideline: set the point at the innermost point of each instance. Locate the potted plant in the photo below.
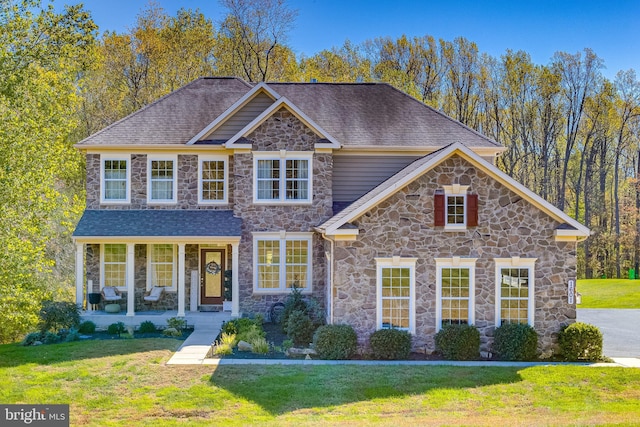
(226, 304)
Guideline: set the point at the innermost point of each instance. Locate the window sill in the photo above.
(283, 203)
(279, 291)
(161, 202)
(455, 228)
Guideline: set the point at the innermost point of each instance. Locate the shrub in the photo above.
(458, 342)
(72, 335)
(300, 328)
(87, 327)
(390, 344)
(116, 328)
(335, 342)
(225, 344)
(515, 341)
(286, 345)
(147, 327)
(177, 323)
(251, 333)
(31, 338)
(238, 326)
(56, 315)
(294, 302)
(50, 338)
(259, 346)
(580, 341)
(172, 332)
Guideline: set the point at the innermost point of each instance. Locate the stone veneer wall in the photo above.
(282, 131)
(403, 226)
(187, 193)
(169, 300)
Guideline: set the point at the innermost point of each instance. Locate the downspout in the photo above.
(331, 272)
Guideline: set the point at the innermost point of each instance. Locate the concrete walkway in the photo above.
(195, 348)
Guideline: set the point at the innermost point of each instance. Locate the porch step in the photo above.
(209, 308)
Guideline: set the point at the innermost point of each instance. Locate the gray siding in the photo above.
(354, 176)
(242, 118)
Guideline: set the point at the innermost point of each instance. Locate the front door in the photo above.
(212, 276)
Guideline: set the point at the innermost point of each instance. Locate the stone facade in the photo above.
(282, 131)
(403, 226)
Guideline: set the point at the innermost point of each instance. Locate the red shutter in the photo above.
(472, 210)
(438, 210)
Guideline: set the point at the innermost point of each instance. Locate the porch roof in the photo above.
(158, 223)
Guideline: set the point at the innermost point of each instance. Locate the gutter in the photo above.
(330, 265)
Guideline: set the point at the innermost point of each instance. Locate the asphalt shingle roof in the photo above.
(355, 114)
(158, 223)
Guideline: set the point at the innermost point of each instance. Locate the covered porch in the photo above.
(189, 254)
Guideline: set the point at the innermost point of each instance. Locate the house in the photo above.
(387, 211)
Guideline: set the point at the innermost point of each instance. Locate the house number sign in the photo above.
(571, 291)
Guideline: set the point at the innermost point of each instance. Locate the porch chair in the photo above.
(154, 295)
(111, 294)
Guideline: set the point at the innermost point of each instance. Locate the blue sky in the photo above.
(540, 27)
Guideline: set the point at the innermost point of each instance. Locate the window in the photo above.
(396, 293)
(455, 288)
(115, 178)
(286, 178)
(454, 209)
(162, 183)
(282, 261)
(162, 271)
(515, 290)
(212, 183)
(114, 265)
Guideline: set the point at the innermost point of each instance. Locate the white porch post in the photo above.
(235, 290)
(181, 284)
(80, 274)
(131, 308)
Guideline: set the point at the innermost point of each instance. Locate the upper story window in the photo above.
(212, 179)
(115, 173)
(515, 290)
(454, 209)
(282, 177)
(162, 179)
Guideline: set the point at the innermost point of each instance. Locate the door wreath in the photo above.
(212, 268)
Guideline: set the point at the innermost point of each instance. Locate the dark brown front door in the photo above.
(212, 276)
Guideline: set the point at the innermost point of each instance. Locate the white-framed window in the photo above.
(455, 291)
(162, 181)
(395, 290)
(282, 177)
(456, 206)
(281, 261)
(113, 265)
(213, 179)
(515, 290)
(161, 266)
(115, 178)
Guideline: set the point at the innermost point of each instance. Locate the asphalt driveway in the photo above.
(620, 329)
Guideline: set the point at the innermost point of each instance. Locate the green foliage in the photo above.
(87, 327)
(225, 345)
(392, 344)
(56, 315)
(116, 328)
(72, 335)
(580, 341)
(147, 327)
(286, 345)
(300, 328)
(172, 332)
(177, 323)
(49, 337)
(250, 333)
(244, 329)
(31, 338)
(335, 342)
(515, 341)
(297, 302)
(458, 342)
(259, 346)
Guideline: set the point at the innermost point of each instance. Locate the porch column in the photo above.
(131, 278)
(235, 290)
(181, 285)
(80, 274)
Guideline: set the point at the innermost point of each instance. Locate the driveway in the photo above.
(620, 329)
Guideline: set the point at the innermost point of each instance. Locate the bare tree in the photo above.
(253, 32)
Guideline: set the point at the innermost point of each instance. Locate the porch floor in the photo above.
(198, 320)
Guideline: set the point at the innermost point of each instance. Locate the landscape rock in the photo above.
(244, 346)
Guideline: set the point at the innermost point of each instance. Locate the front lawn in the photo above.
(125, 382)
(609, 293)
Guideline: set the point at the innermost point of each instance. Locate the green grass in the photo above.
(125, 382)
(609, 293)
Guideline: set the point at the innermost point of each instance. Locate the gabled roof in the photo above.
(165, 223)
(569, 226)
(275, 107)
(354, 115)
